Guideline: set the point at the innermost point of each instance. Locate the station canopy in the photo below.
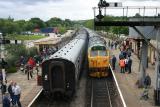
(47, 41)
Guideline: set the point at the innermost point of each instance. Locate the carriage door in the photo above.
(57, 76)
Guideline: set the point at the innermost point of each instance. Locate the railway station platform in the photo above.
(127, 83)
(29, 88)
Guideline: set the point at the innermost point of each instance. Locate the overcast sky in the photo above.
(71, 9)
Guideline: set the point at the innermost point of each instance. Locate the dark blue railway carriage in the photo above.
(60, 73)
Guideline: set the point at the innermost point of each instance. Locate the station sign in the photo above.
(114, 4)
(109, 4)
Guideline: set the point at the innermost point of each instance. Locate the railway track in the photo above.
(103, 92)
(100, 95)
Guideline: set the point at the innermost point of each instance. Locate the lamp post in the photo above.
(1, 55)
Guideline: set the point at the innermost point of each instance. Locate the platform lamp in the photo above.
(2, 41)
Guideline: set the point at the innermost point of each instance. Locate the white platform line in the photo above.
(35, 98)
(119, 90)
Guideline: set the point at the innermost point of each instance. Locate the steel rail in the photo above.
(110, 102)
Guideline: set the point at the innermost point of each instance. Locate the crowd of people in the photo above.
(27, 66)
(125, 61)
(113, 44)
(12, 92)
(125, 64)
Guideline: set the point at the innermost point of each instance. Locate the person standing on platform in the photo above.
(125, 54)
(147, 84)
(29, 71)
(109, 43)
(129, 65)
(121, 55)
(10, 91)
(112, 44)
(30, 64)
(129, 52)
(1, 76)
(122, 65)
(113, 62)
(17, 94)
(6, 100)
(126, 64)
(115, 45)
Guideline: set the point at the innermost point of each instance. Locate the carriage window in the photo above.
(94, 53)
(102, 53)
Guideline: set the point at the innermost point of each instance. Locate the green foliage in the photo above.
(54, 22)
(24, 37)
(62, 30)
(37, 23)
(11, 70)
(32, 51)
(15, 51)
(119, 30)
(113, 29)
(62, 25)
(9, 26)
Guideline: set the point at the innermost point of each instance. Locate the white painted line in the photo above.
(35, 98)
(119, 90)
(92, 95)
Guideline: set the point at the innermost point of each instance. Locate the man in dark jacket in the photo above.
(6, 101)
(121, 55)
(129, 65)
(113, 62)
(10, 91)
(125, 54)
(1, 77)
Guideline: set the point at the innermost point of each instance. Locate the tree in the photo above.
(37, 23)
(9, 26)
(21, 25)
(89, 24)
(137, 15)
(53, 22)
(120, 30)
(28, 26)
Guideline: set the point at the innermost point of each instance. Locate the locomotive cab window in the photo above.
(98, 51)
(94, 53)
(96, 48)
(102, 53)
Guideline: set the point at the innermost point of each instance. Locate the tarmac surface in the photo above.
(127, 83)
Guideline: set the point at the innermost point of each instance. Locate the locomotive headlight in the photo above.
(46, 77)
(67, 85)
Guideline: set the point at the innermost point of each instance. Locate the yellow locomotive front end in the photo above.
(98, 60)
